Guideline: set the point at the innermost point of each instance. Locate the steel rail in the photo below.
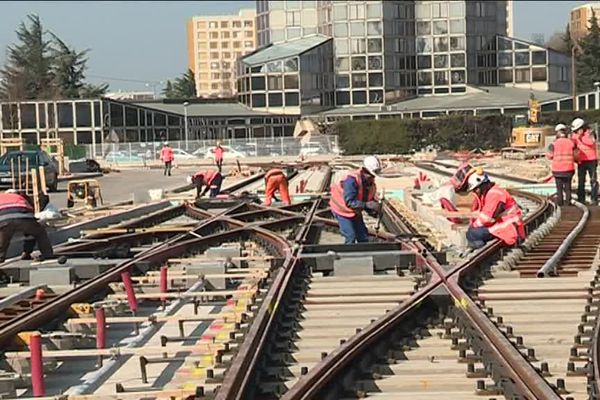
(324, 372)
(550, 265)
(243, 367)
(156, 255)
(429, 166)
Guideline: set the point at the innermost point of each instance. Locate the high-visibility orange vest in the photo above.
(337, 202)
(14, 201)
(207, 176)
(508, 226)
(587, 145)
(563, 155)
(273, 172)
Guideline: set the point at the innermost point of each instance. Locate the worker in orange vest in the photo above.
(587, 164)
(210, 180)
(563, 152)
(351, 195)
(275, 179)
(218, 152)
(167, 156)
(495, 213)
(16, 215)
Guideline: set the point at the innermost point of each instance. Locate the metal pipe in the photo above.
(131, 299)
(37, 364)
(100, 328)
(163, 281)
(551, 264)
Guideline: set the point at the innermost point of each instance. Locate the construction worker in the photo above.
(166, 156)
(211, 180)
(563, 152)
(16, 215)
(494, 213)
(587, 163)
(218, 151)
(275, 179)
(351, 195)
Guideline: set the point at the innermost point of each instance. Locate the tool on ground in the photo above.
(84, 190)
(380, 212)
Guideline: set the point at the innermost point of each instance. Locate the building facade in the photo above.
(579, 22)
(215, 43)
(389, 51)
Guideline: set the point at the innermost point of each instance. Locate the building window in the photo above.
(457, 9)
(538, 58)
(275, 82)
(237, 45)
(423, 28)
(258, 100)
(375, 62)
(237, 24)
(423, 10)
(224, 24)
(457, 43)
(374, 45)
(359, 80)
(357, 29)
(258, 83)
(274, 66)
(440, 27)
(424, 78)
(440, 61)
(226, 55)
(441, 77)
(538, 74)
(522, 75)
(457, 26)
(290, 65)
(213, 25)
(458, 77)
(440, 44)
(505, 60)
(342, 98)
(214, 35)
(214, 45)
(248, 34)
(214, 56)
(293, 18)
(424, 45)
(291, 81)
(504, 44)
(248, 24)
(340, 29)
(214, 65)
(358, 46)
(292, 99)
(359, 64)
(374, 28)
(342, 64)
(248, 43)
(342, 81)
(214, 86)
(215, 75)
(275, 100)
(563, 77)
(224, 35)
(224, 45)
(356, 11)
(522, 58)
(505, 76)
(424, 62)
(375, 80)
(374, 10)
(359, 97)
(439, 10)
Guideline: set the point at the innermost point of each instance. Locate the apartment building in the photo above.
(579, 22)
(215, 43)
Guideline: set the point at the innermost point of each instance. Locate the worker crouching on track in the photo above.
(351, 195)
(496, 213)
(276, 180)
(210, 180)
(563, 152)
(587, 163)
(16, 215)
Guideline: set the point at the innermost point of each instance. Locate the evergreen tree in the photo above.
(183, 87)
(29, 63)
(168, 90)
(588, 60)
(89, 91)
(69, 68)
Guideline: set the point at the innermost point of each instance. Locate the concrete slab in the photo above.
(207, 268)
(52, 276)
(353, 266)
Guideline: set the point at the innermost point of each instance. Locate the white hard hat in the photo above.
(560, 127)
(372, 164)
(166, 143)
(476, 179)
(577, 124)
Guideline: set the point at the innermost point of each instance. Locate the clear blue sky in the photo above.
(146, 41)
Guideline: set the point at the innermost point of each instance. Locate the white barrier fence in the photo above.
(139, 152)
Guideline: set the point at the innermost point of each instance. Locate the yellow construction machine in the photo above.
(528, 138)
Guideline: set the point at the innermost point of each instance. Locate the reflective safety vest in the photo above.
(587, 145)
(563, 155)
(12, 201)
(508, 226)
(207, 176)
(273, 172)
(338, 204)
(166, 154)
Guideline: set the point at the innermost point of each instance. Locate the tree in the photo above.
(183, 87)
(68, 68)
(39, 67)
(89, 91)
(29, 62)
(588, 60)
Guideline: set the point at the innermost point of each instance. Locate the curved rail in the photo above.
(521, 372)
(550, 265)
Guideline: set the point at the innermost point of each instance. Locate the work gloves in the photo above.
(373, 208)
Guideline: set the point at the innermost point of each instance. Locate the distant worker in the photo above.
(16, 215)
(218, 151)
(563, 152)
(210, 180)
(167, 157)
(351, 195)
(495, 213)
(587, 163)
(276, 180)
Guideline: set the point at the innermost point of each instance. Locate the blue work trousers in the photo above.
(478, 237)
(353, 229)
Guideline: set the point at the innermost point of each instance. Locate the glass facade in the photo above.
(387, 51)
